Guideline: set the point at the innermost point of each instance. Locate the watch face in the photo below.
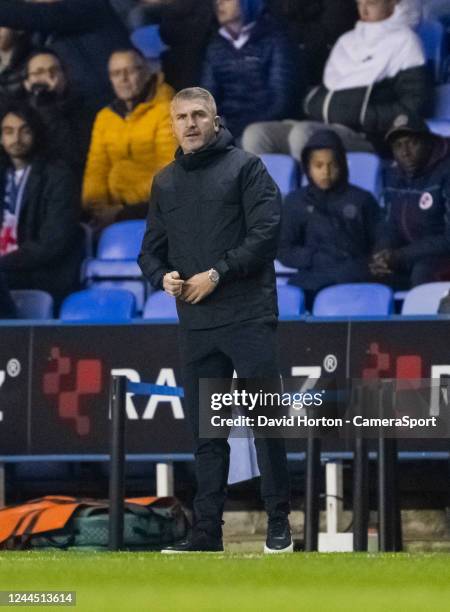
(214, 276)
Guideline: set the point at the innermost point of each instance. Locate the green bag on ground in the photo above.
(149, 524)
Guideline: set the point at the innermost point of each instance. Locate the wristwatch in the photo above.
(213, 276)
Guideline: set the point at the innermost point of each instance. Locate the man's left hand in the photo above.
(196, 288)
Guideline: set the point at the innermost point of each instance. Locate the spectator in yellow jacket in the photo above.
(131, 141)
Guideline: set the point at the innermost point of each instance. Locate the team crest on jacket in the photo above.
(426, 201)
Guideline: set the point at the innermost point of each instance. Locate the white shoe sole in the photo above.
(273, 551)
(192, 552)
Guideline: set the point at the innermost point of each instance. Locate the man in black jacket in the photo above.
(83, 33)
(413, 246)
(40, 246)
(211, 240)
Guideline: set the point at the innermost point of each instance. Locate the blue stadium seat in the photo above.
(432, 35)
(115, 265)
(354, 299)
(439, 126)
(139, 288)
(365, 171)
(284, 170)
(425, 299)
(160, 306)
(148, 41)
(291, 301)
(441, 107)
(99, 305)
(121, 240)
(33, 304)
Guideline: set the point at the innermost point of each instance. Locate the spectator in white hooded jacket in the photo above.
(375, 73)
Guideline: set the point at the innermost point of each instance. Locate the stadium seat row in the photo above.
(119, 305)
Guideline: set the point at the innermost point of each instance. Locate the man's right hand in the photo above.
(172, 284)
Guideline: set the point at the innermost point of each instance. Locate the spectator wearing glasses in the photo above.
(65, 117)
(131, 141)
(82, 32)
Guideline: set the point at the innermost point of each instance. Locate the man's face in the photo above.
(129, 74)
(227, 11)
(45, 69)
(194, 124)
(375, 10)
(8, 38)
(323, 168)
(411, 152)
(16, 137)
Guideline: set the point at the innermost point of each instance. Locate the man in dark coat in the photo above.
(414, 241)
(40, 241)
(210, 242)
(329, 227)
(83, 33)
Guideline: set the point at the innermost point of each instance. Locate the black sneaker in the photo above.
(279, 538)
(199, 541)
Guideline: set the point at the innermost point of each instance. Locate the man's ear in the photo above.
(216, 124)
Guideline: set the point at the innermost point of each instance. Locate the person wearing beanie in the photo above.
(250, 66)
(328, 228)
(413, 245)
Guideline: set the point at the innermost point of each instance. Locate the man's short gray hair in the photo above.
(196, 93)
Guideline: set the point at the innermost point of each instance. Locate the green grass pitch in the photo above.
(234, 582)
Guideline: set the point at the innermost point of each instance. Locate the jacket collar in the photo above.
(191, 161)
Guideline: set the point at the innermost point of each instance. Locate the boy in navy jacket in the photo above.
(328, 227)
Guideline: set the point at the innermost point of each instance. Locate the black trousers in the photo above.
(250, 348)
